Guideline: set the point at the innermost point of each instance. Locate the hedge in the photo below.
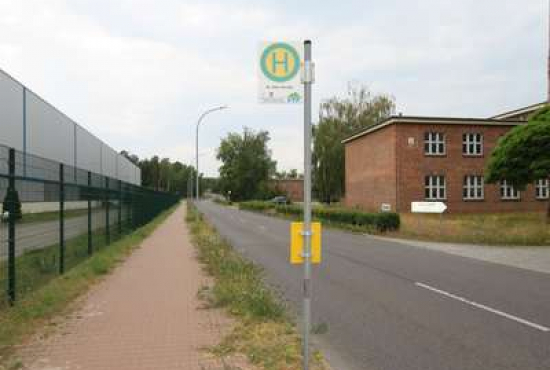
(381, 221)
(256, 205)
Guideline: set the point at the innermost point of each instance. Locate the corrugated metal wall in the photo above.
(33, 126)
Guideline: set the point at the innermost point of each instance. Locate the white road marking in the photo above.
(262, 227)
(483, 307)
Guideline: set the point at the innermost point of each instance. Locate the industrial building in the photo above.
(34, 127)
(405, 159)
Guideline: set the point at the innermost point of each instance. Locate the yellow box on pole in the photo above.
(297, 243)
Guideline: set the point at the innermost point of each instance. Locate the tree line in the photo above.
(247, 164)
(162, 174)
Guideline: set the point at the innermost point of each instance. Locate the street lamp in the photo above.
(197, 140)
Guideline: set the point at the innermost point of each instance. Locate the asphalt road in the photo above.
(36, 235)
(390, 306)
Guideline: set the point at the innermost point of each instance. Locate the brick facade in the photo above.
(293, 188)
(388, 165)
(371, 170)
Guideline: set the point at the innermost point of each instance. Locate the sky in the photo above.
(138, 73)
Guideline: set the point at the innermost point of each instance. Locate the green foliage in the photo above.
(292, 174)
(256, 205)
(165, 175)
(338, 118)
(246, 165)
(379, 221)
(239, 285)
(523, 154)
(12, 204)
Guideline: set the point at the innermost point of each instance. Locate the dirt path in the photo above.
(145, 315)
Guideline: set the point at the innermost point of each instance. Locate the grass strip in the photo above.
(35, 267)
(496, 229)
(54, 298)
(264, 333)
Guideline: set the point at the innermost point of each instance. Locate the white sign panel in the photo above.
(279, 65)
(428, 207)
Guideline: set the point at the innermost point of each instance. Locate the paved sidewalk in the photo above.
(145, 315)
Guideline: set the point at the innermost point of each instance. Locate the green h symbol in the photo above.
(275, 62)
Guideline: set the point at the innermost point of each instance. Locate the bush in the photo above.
(289, 209)
(380, 221)
(256, 205)
(12, 204)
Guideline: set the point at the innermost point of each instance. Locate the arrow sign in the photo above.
(428, 207)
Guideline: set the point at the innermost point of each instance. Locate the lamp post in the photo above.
(197, 142)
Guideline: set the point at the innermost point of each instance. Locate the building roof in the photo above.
(519, 112)
(429, 121)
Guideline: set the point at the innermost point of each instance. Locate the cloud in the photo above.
(138, 73)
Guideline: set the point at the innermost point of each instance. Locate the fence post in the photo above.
(61, 218)
(90, 248)
(130, 205)
(119, 208)
(11, 229)
(107, 210)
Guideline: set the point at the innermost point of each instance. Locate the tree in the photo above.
(131, 157)
(246, 165)
(522, 156)
(338, 118)
(12, 204)
(164, 175)
(292, 174)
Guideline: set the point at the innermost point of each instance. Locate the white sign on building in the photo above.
(428, 207)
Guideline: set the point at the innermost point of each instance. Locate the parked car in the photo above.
(280, 199)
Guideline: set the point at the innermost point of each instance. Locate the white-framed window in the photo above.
(434, 187)
(472, 144)
(507, 191)
(542, 189)
(434, 143)
(472, 188)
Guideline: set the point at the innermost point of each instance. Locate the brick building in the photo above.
(293, 188)
(404, 159)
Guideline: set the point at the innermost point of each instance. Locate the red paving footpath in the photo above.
(146, 315)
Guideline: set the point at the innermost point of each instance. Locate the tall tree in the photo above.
(338, 118)
(522, 156)
(246, 164)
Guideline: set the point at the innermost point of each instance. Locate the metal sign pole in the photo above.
(307, 81)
